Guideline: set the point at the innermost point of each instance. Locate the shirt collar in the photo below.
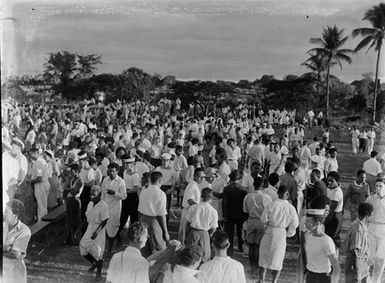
(186, 270)
(130, 249)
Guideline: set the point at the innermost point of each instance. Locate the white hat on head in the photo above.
(166, 156)
(129, 160)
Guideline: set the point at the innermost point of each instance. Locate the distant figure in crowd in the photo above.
(373, 170)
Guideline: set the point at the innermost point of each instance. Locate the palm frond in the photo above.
(363, 31)
(363, 43)
(344, 57)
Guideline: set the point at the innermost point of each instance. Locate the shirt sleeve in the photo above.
(21, 241)
(329, 246)
(214, 221)
(135, 180)
(162, 204)
(245, 209)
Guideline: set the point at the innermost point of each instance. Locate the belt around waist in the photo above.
(196, 229)
(316, 273)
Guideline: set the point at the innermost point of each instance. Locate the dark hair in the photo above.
(76, 167)
(373, 154)
(178, 147)
(296, 160)
(190, 160)
(135, 231)
(334, 175)
(380, 180)
(317, 172)
(220, 240)
(155, 177)
(17, 208)
(361, 171)
(91, 161)
(258, 182)
(365, 209)
(235, 175)
(256, 162)
(282, 190)
(273, 179)
(125, 156)
(190, 255)
(113, 165)
(198, 170)
(207, 194)
(289, 167)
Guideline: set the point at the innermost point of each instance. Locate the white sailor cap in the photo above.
(166, 156)
(82, 155)
(129, 160)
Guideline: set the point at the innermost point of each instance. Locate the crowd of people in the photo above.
(128, 167)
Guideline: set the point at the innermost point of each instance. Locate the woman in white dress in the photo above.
(93, 241)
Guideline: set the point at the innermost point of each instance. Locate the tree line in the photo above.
(72, 76)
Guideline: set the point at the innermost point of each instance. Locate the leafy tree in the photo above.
(316, 64)
(330, 49)
(138, 83)
(357, 103)
(63, 69)
(373, 37)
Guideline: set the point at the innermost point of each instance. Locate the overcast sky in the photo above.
(211, 40)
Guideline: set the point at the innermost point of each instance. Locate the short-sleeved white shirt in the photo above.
(152, 201)
(338, 196)
(202, 216)
(192, 192)
(317, 251)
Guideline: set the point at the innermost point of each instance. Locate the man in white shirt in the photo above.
(192, 195)
(373, 170)
(87, 174)
(354, 135)
(272, 189)
(130, 204)
(331, 163)
(256, 153)
(152, 209)
(202, 220)
(371, 135)
(376, 230)
(233, 154)
(130, 265)
(222, 268)
(281, 220)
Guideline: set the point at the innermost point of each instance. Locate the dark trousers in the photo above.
(72, 221)
(168, 196)
(333, 228)
(312, 277)
(85, 199)
(229, 227)
(129, 209)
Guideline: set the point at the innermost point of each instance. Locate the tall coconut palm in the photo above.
(373, 37)
(330, 49)
(316, 64)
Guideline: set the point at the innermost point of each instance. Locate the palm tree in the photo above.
(330, 49)
(373, 37)
(316, 64)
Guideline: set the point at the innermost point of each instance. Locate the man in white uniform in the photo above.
(113, 192)
(354, 135)
(281, 220)
(373, 170)
(371, 135)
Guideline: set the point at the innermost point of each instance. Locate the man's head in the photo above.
(156, 178)
(256, 167)
(207, 194)
(191, 256)
(211, 174)
(361, 176)
(333, 152)
(34, 153)
(315, 175)
(220, 241)
(178, 150)
(13, 212)
(17, 146)
(96, 193)
(113, 170)
(258, 182)
(199, 175)
(373, 154)
(283, 192)
(364, 210)
(166, 158)
(274, 180)
(289, 167)
(380, 187)
(137, 235)
(129, 163)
